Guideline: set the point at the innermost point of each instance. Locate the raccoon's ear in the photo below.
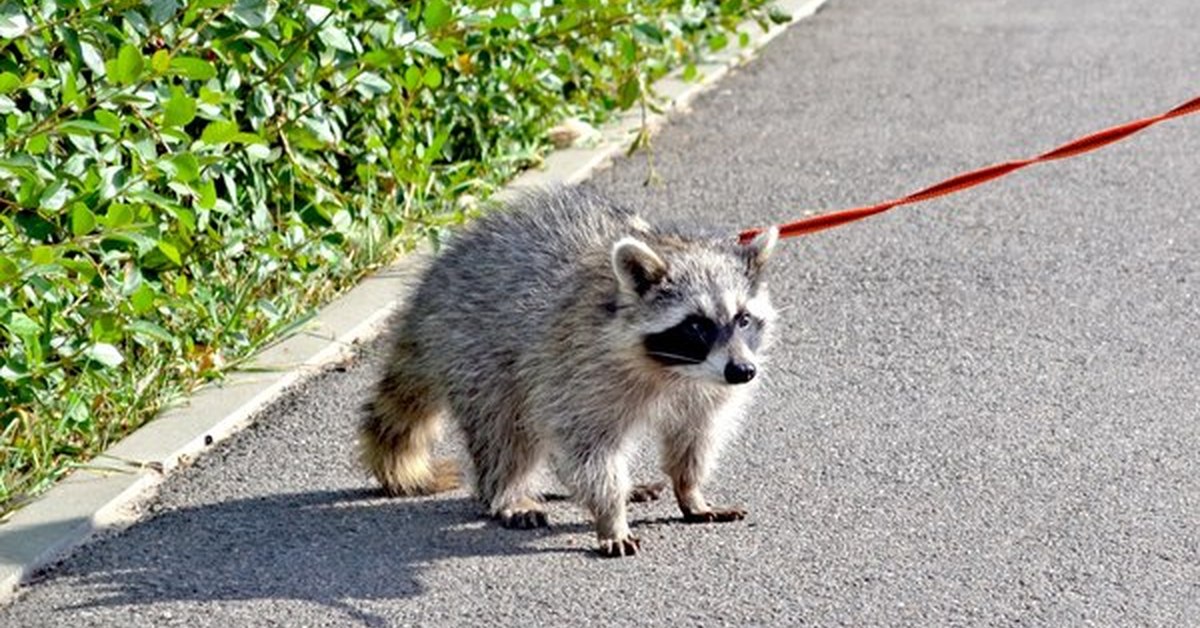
(759, 248)
(637, 267)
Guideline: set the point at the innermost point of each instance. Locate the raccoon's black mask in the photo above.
(686, 343)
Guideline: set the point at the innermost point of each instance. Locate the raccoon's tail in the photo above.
(399, 426)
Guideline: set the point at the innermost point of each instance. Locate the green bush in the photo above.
(181, 181)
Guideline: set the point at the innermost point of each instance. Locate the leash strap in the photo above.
(971, 179)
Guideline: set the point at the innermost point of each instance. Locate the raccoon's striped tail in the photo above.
(399, 427)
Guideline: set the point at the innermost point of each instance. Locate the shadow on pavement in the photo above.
(323, 546)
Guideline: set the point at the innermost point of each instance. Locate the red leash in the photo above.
(971, 179)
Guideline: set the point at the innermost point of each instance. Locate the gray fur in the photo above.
(529, 330)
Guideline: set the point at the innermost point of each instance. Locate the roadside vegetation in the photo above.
(182, 181)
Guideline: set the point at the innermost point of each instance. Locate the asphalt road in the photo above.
(982, 410)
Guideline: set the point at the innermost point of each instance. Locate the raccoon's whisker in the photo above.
(674, 356)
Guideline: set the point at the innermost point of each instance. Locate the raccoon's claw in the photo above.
(616, 548)
(524, 519)
(647, 492)
(715, 515)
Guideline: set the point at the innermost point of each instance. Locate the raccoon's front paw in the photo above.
(523, 519)
(714, 515)
(647, 492)
(616, 548)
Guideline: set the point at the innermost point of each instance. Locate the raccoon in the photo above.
(551, 332)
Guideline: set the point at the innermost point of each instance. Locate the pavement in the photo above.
(981, 410)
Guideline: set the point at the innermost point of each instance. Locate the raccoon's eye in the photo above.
(742, 320)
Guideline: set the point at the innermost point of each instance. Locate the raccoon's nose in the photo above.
(739, 373)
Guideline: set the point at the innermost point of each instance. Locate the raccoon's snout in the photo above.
(739, 373)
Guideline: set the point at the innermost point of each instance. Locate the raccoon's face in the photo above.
(700, 309)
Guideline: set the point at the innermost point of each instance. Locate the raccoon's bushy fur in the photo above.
(551, 332)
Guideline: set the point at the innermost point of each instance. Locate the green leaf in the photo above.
(179, 110)
(105, 354)
(628, 49)
(135, 241)
(150, 332)
(628, 92)
(717, 42)
(433, 77)
(142, 299)
(187, 167)
(13, 22)
(254, 13)
(210, 97)
(83, 127)
(427, 49)
(316, 13)
(35, 226)
(70, 90)
(258, 151)
(371, 84)
(379, 59)
(437, 14)
(778, 15)
(649, 33)
(82, 220)
(55, 196)
(106, 328)
(505, 21)
(108, 120)
(128, 67)
(42, 254)
(8, 269)
(38, 144)
(22, 168)
(118, 215)
(193, 68)
(81, 270)
(412, 78)
(23, 326)
(434, 150)
(169, 250)
(162, 10)
(336, 38)
(206, 194)
(160, 62)
(9, 82)
(92, 59)
(219, 132)
(13, 372)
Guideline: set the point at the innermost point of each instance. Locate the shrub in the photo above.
(182, 180)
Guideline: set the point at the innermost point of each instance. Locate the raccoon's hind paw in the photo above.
(714, 515)
(617, 548)
(647, 492)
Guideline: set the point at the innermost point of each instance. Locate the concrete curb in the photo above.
(105, 494)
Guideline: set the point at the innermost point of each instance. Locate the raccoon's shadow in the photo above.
(330, 547)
